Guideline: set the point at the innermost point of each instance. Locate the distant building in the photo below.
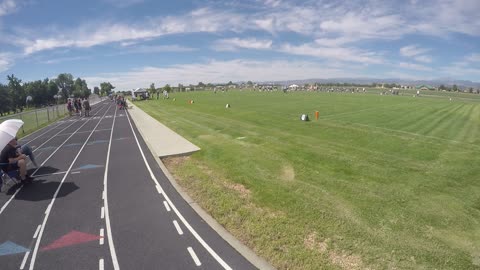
(140, 93)
(425, 87)
(293, 87)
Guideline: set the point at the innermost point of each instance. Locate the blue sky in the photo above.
(132, 43)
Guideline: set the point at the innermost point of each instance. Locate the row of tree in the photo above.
(15, 95)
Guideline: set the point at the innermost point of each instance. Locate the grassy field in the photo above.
(378, 182)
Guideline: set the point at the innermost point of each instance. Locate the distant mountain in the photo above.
(436, 82)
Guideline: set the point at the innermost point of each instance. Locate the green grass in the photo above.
(379, 182)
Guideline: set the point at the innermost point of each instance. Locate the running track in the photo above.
(100, 201)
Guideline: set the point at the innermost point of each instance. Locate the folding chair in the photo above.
(7, 179)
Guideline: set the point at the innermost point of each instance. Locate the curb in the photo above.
(245, 251)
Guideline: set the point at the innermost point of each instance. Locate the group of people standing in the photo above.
(121, 102)
(79, 106)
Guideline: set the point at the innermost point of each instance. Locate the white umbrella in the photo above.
(16, 123)
(8, 131)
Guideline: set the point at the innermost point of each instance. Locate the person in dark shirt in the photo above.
(11, 160)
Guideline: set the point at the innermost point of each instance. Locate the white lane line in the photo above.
(102, 214)
(37, 244)
(100, 264)
(159, 189)
(76, 172)
(194, 256)
(13, 196)
(166, 205)
(36, 232)
(53, 127)
(180, 216)
(179, 230)
(111, 245)
(101, 235)
(48, 209)
(48, 174)
(9, 200)
(24, 260)
(103, 195)
(45, 161)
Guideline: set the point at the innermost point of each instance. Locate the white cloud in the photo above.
(416, 53)
(88, 35)
(423, 58)
(272, 3)
(6, 61)
(406, 76)
(414, 66)
(128, 49)
(460, 72)
(233, 44)
(443, 17)
(123, 3)
(475, 57)
(412, 50)
(7, 6)
(333, 53)
(65, 59)
(334, 42)
(220, 71)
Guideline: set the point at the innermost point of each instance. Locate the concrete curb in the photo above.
(246, 252)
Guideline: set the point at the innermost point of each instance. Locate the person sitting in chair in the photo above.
(11, 161)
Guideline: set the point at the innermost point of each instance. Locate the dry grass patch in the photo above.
(174, 162)
(288, 173)
(239, 188)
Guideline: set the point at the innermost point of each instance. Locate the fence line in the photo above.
(36, 118)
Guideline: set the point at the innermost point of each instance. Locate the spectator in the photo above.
(11, 160)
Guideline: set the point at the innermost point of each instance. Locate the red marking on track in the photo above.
(71, 238)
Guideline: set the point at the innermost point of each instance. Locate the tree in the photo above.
(442, 87)
(167, 88)
(201, 84)
(106, 88)
(52, 89)
(17, 93)
(455, 88)
(64, 82)
(96, 90)
(152, 90)
(80, 88)
(5, 102)
(470, 90)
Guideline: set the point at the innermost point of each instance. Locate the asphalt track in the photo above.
(100, 201)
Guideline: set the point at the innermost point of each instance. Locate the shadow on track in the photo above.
(41, 190)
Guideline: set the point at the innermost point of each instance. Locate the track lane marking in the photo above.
(58, 148)
(36, 232)
(24, 261)
(194, 256)
(166, 206)
(174, 208)
(37, 244)
(179, 230)
(102, 235)
(111, 245)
